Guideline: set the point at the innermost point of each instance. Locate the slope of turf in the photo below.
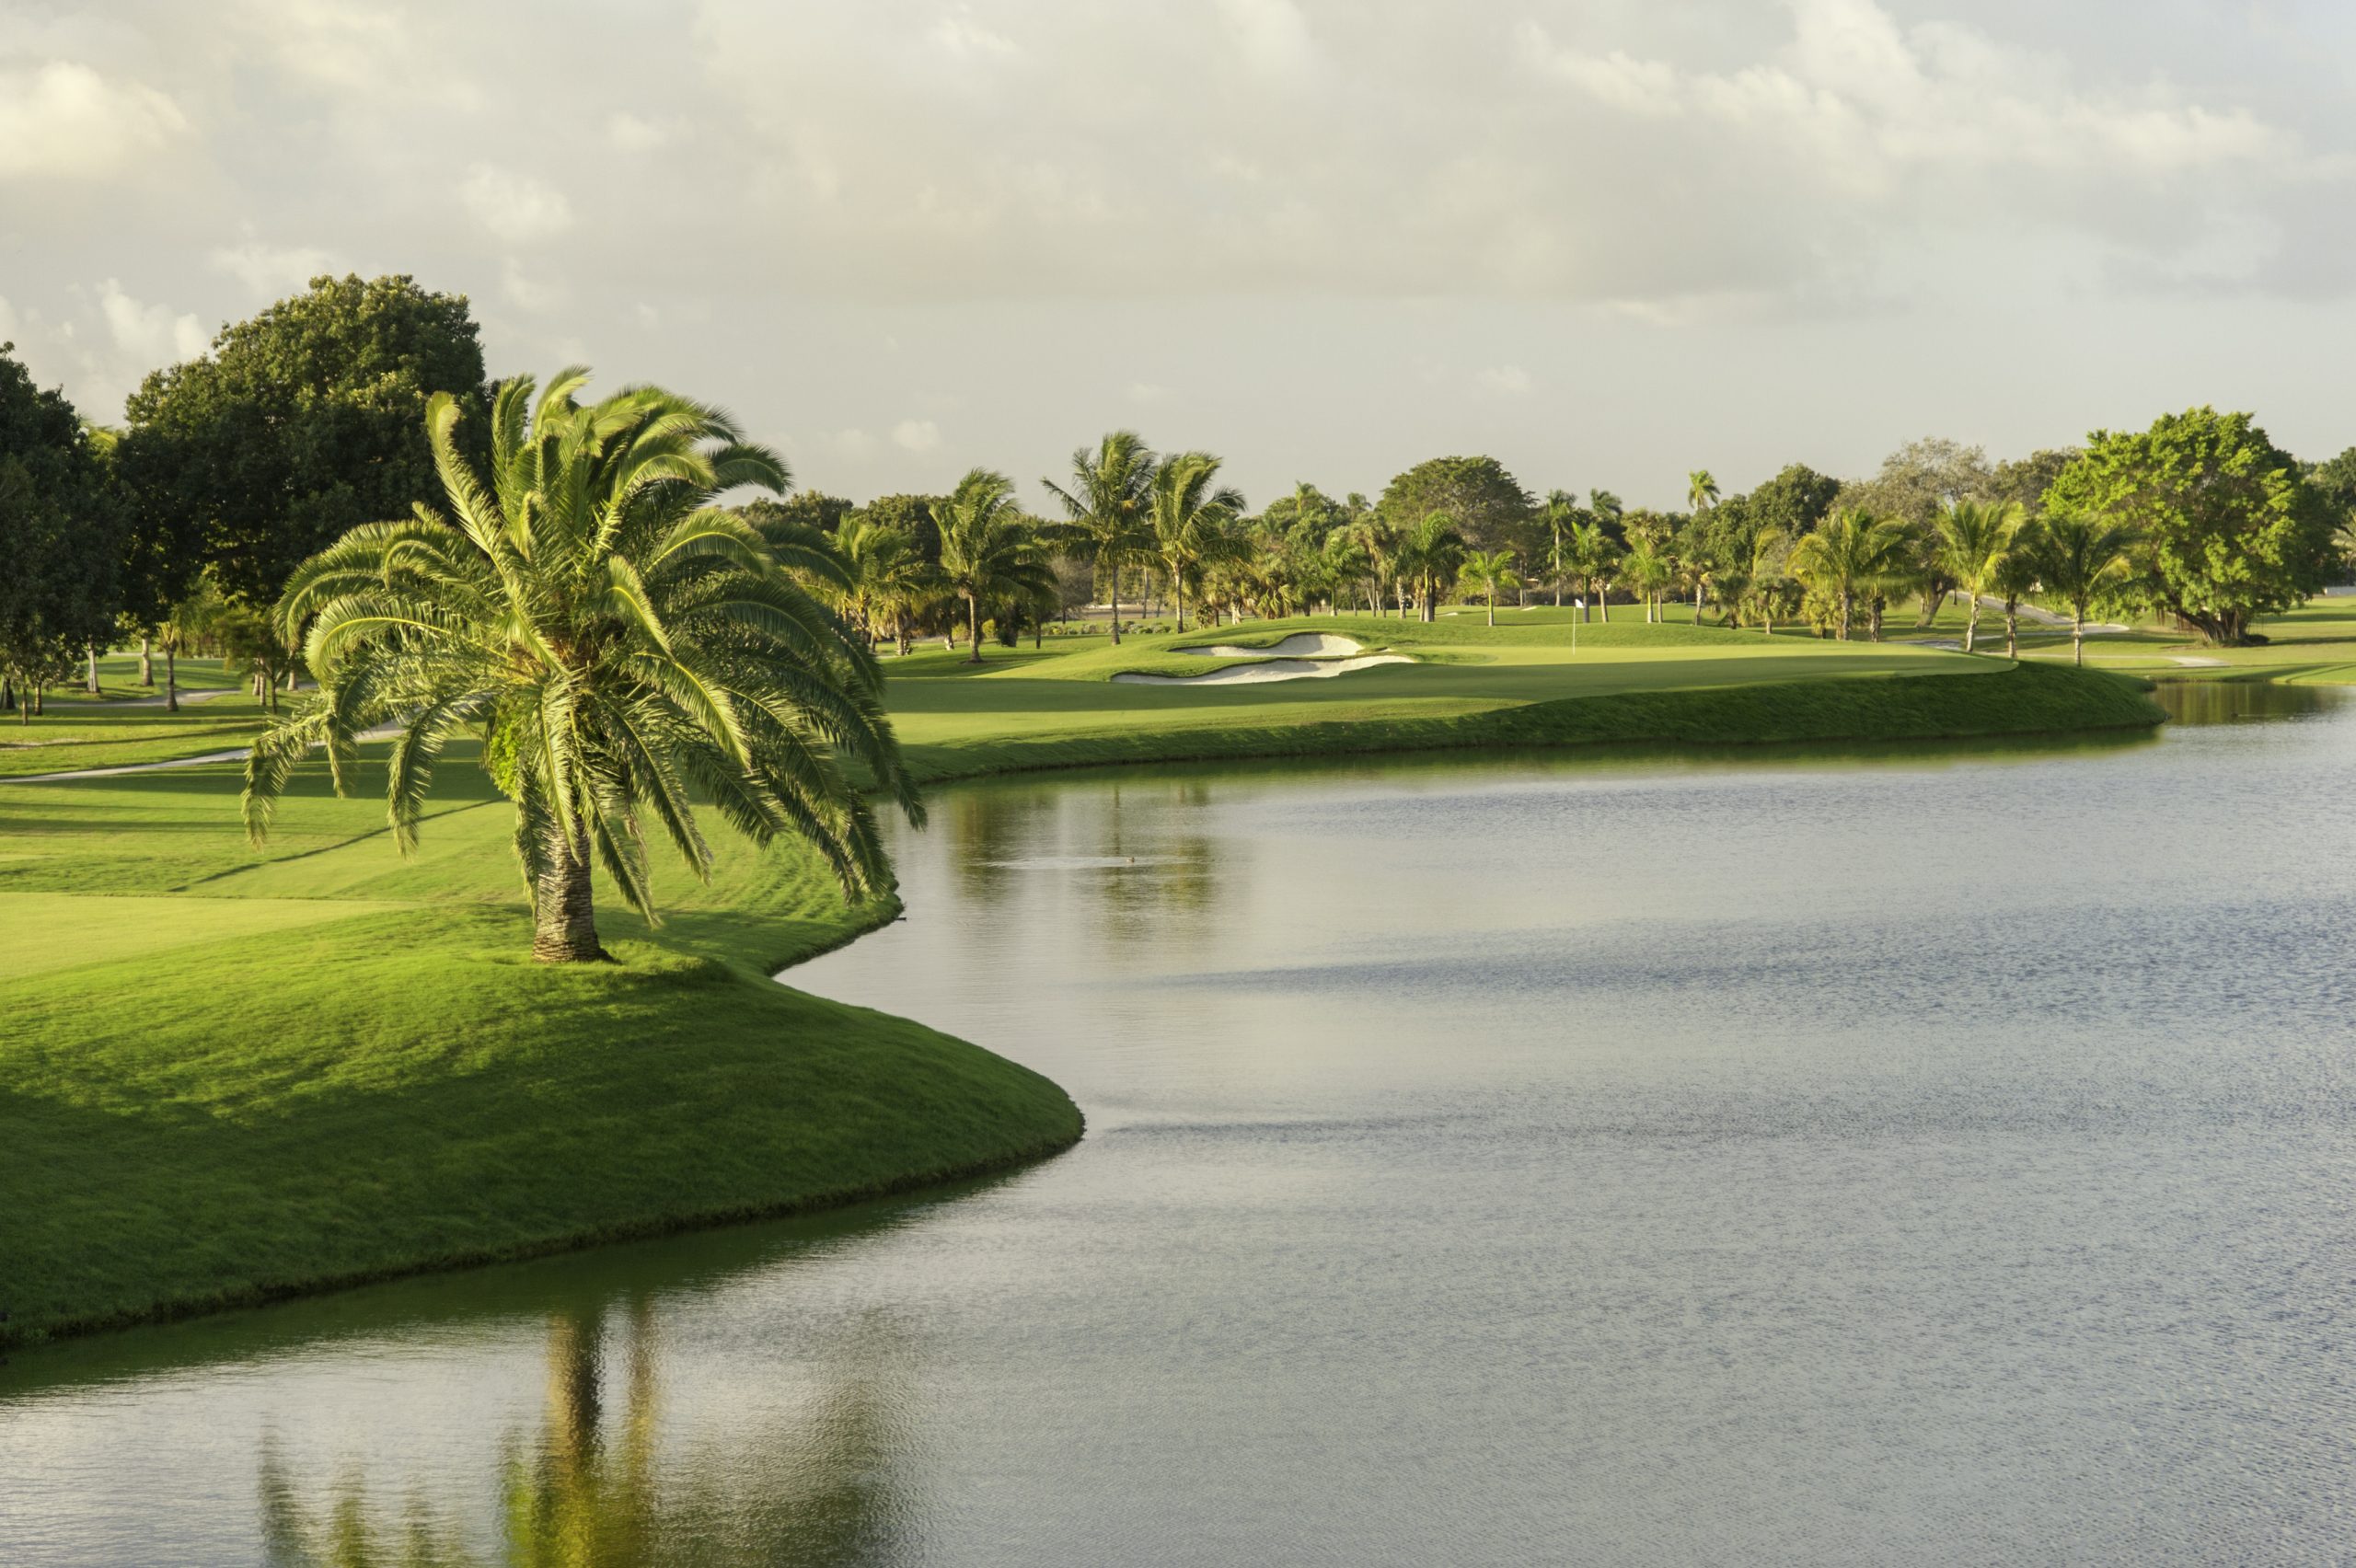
(226, 1078)
(1477, 686)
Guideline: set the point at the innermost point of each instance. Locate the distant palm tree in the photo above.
(2015, 577)
(1647, 571)
(1848, 554)
(1974, 538)
(2076, 559)
(884, 574)
(1107, 504)
(1430, 554)
(1701, 492)
(621, 645)
(1491, 573)
(1763, 583)
(1593, 559)
(1561, 516)
(1189, 517)
(990, 551)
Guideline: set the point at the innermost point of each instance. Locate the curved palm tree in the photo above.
(1429, 555)
(1849, 553)
(1489, 572)
(1188, 519)
(617, 639)
(1107, 504)
(1974, 538)
(988, 549)
(2077, 558)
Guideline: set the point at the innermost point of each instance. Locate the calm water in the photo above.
(1874, 1160)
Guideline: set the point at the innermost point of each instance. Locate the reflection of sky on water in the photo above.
(1903, 1158)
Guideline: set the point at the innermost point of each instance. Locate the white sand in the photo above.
(1299, 645)
(1270, 670)
(2195, 662)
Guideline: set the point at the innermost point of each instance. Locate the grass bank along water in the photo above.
(229, 1076)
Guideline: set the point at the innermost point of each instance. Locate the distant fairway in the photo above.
(229, 1074)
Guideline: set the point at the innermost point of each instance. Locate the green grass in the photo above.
(230, 1076)
(1517, 684)
(127, 724)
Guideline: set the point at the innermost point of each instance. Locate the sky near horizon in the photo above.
(1606, 242)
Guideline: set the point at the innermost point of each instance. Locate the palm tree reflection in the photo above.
(603, 1484)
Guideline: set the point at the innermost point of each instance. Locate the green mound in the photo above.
(232, 1080)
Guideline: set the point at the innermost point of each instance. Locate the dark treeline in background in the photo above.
(176, 530)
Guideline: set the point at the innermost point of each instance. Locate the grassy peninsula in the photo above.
(234, 1075)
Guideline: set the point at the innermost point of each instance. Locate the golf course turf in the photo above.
(229, 1074)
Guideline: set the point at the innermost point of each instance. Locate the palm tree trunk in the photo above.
(2012, 629)
(146, 659)
(93, 668)
(1971, 623)
(2078, 635)
(1493, 607)
(1847, 613)
(1116, 612)
(564, 916)
(973, 605)
(172, 682)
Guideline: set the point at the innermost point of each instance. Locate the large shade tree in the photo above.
(1486, 503)
(297, 426)
(621, 645)
(2229, 527)
(60, 541)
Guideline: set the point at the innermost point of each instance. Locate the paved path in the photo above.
(382, 733)
(95, 704)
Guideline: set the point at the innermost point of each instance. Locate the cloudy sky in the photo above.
(1605, 241)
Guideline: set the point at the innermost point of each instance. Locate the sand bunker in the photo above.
(1299, 645)
(1270, 670)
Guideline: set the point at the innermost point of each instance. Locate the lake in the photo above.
(1911, 1155)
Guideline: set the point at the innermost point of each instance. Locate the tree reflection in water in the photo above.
(596, 1490)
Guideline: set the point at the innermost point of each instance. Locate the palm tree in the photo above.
(1701, 492)
(884, 574)
(1849, 553)
(1974, 538)
(2076, 557)
(1429, 554)
(1110, 496)
(188, 623)
(1491, 573)
(1189, 519)
(621, 645)
(1647, 572)
(1593, 559)
(1762, 583)
(2015, 577)
(1562, 514)
(989, 552)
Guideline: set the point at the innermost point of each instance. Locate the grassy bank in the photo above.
(1521, 684)
(226, 1078)
(229, 1076)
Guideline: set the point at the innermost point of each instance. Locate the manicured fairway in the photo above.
(228, 1075)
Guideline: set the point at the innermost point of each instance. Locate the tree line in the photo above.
(180, 529)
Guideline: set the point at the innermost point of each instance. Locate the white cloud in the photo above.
(630, 134)
(1147, 392)
(149, 333)
(273, 272)
(516, 208)
(957, 33)
(1864, 104)
(916, 435)
(1509, 379)
(541, 297)
(63, 121)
